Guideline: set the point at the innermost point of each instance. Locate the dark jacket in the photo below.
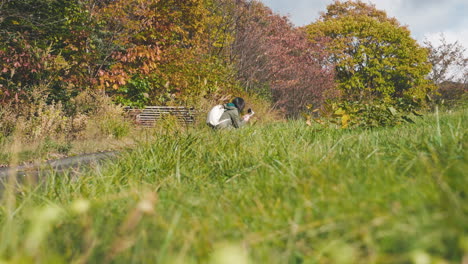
(230, 118)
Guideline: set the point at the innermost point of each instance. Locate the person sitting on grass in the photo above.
(231, 116)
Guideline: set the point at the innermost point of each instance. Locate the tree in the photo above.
(270, 53)
(34, 50)
(449, 63)
(163, 52)
(375, 56)
(140, 51)
(449, 70)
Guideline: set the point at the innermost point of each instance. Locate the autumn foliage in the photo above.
(143, 52)
(160, 52)
(271, 54)
(126, 48)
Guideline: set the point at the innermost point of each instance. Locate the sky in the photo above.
(426, 19)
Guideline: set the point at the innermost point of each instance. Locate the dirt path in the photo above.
(58, 165)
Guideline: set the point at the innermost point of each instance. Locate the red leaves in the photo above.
(21, 65)
(21, 61)
(272, 52)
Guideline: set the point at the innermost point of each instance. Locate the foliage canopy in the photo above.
(159, 52)
(270, 53)
(375, 56)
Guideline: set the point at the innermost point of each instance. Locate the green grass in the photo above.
(278, 193)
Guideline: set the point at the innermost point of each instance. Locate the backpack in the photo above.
(214, 115)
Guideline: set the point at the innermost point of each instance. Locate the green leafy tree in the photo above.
(376, 57)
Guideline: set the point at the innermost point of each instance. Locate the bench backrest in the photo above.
(151, 114)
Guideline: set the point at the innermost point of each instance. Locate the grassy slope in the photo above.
(280, 193)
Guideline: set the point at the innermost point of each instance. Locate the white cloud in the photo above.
(451, 36)
(301, 12)
(423, 17)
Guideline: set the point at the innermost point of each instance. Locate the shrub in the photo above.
(375, 113)
(451, 94)
(108, 118)
(114, 127)
(89, 102)
(8, 120)
(95, 112)
(38, 120)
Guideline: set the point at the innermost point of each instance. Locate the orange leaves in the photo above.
(150, 37)
(136, 60)
(114, 78)
(141, 53)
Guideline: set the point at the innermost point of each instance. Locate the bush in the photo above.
(8, 121)
(376, 113)
(114, 127)
(451, 94)
(89, 114)
(90, 102)
(78, 125)
(95, 114)
(38, 120)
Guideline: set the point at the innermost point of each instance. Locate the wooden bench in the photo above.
(151, 114)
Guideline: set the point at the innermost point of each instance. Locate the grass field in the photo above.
(276, 193)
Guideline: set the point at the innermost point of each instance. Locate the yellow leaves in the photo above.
(344, 120)
(372, 52)
(319, 121)
(121, 80)
(114, 78)
(330, 114)
(145, 68)
(344, 117)
(339, 112)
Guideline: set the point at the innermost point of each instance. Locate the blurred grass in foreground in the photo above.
(278, 193)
